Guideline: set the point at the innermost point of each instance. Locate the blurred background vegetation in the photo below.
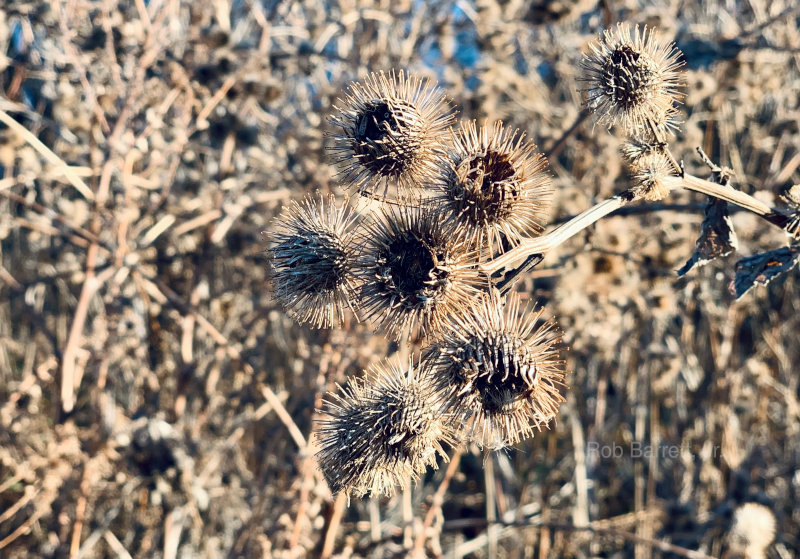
(155, 402)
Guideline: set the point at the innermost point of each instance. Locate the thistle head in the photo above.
(499, 369)
(388, 131)
(633, 79)
(495, 188)
(312, 258)
(415, 271)
(382, 431)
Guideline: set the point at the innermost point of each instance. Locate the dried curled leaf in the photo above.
(717, 237)
(763, 268)
(792, 197)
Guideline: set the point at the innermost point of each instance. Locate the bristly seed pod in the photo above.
(499, 369)
(633, 80)
(415, 271)
(390, 128)
(496, 188)
(312, 260)
(649, 173)
(637, 147)
(382, 431)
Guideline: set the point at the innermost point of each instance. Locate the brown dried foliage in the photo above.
(191, 123)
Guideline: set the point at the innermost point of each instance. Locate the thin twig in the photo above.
(333, 526)
(80, 512)
(283, 415)
(116, 545)
(23, 528)
(91, 284)
(48, 154)
(436, 504)
(29, 495)
(491, 511)
(658, 135)
(559, 144)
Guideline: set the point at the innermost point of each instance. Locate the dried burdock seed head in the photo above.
(415, 271)
(312, 258)
(649, 173)
(499, 369)
(633, 79)
(637, 147)
(752, 532)
(382, 431)
(496, 188)
(389, 130)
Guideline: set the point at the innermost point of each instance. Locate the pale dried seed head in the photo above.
(649, 173)
(499, 369)
(637, 147)
(633, 79)
(415, 271)
(312, 258)
(389, 131)
(380, 432)
(495, 189)
(752, 532)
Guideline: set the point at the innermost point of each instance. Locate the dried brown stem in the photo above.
(69, 380)
(731, 195)
(723, 192)
(560, 234)
(48, 154)
(333, 526)
(436, 504)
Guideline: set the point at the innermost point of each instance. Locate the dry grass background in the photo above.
(146, 146)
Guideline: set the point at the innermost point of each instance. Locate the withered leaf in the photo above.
(763, 268)
(717, 237)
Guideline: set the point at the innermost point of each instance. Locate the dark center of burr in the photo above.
(488, 186)
(412, 266)
(629, 76)
(319, 257)
(503, 374)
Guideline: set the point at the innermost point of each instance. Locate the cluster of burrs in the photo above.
(431, 204)
(442, 219)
